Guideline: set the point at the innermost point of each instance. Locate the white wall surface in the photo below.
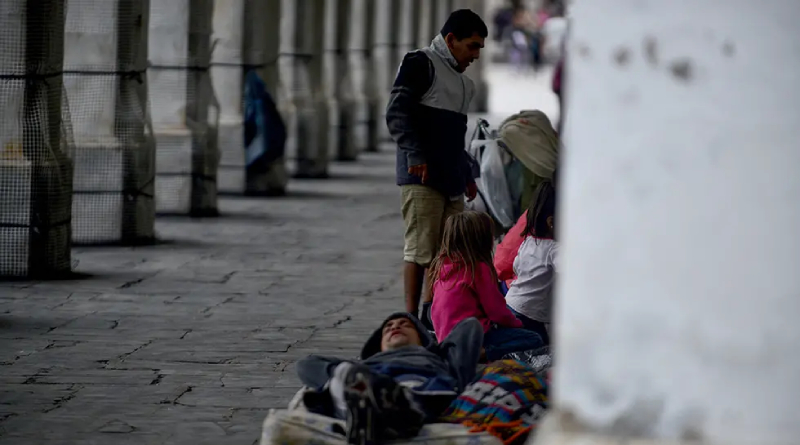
(678, 310)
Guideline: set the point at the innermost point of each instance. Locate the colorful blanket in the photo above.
(506, 401)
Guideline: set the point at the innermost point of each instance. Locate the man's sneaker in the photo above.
(378, 409)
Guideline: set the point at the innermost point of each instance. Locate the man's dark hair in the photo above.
(464, 24)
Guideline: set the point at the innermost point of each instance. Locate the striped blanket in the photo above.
(507, 401)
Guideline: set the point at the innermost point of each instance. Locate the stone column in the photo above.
(407, 29)
(676, 312)
(443, 10)
(227, 77)
(105, 58)
(183, 105)
(384, 52)
(298, 101)
(338, 86)
(359, 70)
(35, 173)
(240, 39)
(262, 38)
(426, 19)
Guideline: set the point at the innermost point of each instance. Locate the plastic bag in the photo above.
(494, 186)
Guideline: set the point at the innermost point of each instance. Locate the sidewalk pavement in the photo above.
(194, 339)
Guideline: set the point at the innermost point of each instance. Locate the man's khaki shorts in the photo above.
(424, 212)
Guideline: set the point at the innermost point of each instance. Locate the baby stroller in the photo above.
(513, 160)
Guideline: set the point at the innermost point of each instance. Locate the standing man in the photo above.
(427, 117)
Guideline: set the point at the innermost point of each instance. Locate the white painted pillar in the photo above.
(407, 29)
(227, 76)
(105, 56)
(328, 116)
(307, 159)
(244, 32)
(35, 174)
(442, 11)
(338, 84)
(262, 46)
(676, 317)
(359, 71)
(384, 53)
(184, 108)
(426, 19)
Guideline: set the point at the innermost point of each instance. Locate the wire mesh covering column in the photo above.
(35, 173)
(359, 61)
(480, 104)
(262, 45)
(384, 52)
(297, 102)
(183, 105)
(338, 85)
(105, 62)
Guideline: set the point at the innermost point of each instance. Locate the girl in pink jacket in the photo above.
(464, 285)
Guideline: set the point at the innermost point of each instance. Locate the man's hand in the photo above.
(419, 170)
(472, 191)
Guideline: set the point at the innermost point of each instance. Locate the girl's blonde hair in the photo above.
(467, 240)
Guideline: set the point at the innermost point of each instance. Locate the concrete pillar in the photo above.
(184, 108)
(386, 35)
(298, 100)
(328, 115)
(105, 57)
(407, 29)
(338, 86)
(35, 173)
(426, 22)
(676, 317)
(359, 69)
(240, 29)
(227, 77)
(480, 104)
(442, 12)
(262, 38)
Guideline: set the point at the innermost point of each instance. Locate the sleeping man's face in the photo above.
(399, 333)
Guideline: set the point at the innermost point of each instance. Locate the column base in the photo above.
(231, 172)
(340, 131)
(270, 183)
(559, 428)
(186, 172)
(306, 157)
(36, 220)
(112, 200)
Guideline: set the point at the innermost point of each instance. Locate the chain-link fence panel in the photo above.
(184, 107)
(105, 63)
(35, 173)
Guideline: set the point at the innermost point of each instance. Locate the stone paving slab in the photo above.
(192, 340)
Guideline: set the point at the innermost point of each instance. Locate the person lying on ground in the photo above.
(464, 285)
(404, 378)
(531, 294)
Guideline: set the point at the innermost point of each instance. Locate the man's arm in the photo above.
(315, 370)
(462, 350)
(413, 80)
